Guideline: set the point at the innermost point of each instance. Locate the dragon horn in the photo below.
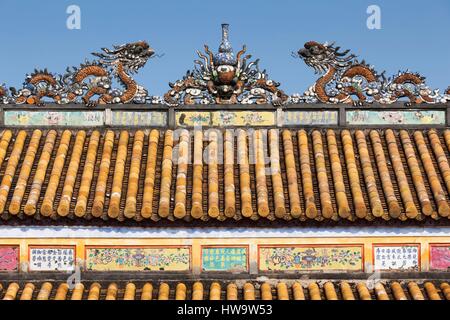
(341, 54)
(118, 47)
(205, 59)
(348, 58)
(208, 52)
(240, 53)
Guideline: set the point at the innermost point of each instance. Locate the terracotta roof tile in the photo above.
(217, 175)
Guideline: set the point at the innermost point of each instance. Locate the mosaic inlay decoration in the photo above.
(54, 118)
(373, 117)
(193, 118)
(52, 259)
(225, 118)
(243, 118)
(9, 258)
(400, 257)
(440, 257)
(222, 76)
(138, 118)
(224, 259)
(311, 258)
(138, 259)
(310, 117)
(344, 78)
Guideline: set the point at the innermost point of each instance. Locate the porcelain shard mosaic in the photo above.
(138, 259)
(440, 257)
(9, 258)
(375, 117)
(138, 118)
(225, 118)
(310, 117)
(311, 258)
(54, 118)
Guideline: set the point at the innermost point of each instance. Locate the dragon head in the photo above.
(323, 56)
(132, 56)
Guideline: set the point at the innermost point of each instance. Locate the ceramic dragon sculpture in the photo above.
(224, 78)
(88, 80)
(346, 80)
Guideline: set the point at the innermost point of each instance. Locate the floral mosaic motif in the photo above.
(440, 257)
(368, 117)
(224, 259)
(138, 259)
(138, 118)
(310, 258)
(243, 118)
(310, 117)
(225, 118)
(54, 118)
(193, 118)
(9, 258)
(403, 258)
(344, 79)
(252, 118)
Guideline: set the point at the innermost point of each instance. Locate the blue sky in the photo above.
(414, 34)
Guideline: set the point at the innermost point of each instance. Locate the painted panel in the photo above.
(54, 118)
(411, 117)
(139, 118)
(138, 258)
(243, 118)
(440, 257)
(225, 118)
(310, 118)
(51, 258)
(9, 258)
(311, 258)
(224, 259)
(193, 118)
(396, 257)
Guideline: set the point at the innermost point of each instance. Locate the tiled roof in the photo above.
(242, 290)
(286, 174)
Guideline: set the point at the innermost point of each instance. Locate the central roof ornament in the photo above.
(223, 78)
(225, 54)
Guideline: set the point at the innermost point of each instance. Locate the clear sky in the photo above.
(414, 34)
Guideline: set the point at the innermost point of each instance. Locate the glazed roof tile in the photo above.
(230, 290)
(186, 175)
